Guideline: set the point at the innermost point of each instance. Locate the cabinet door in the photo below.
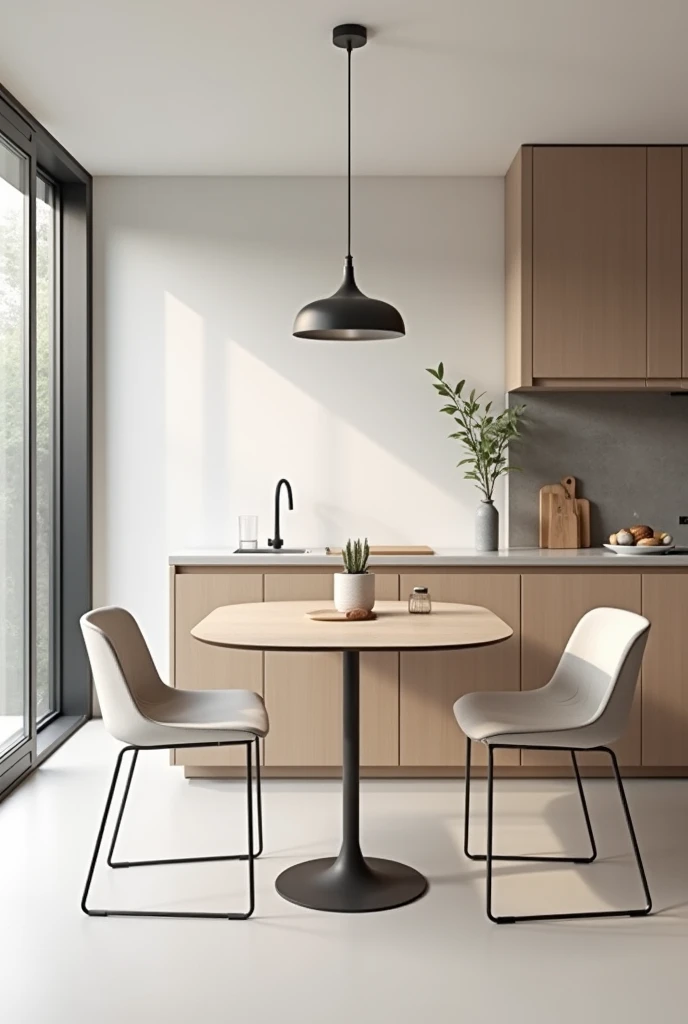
(684, 158)
(589, 261)
(551, 606)
(665, 671)
(431, 681)
(199, 666)
(664, 270)
(303, 692)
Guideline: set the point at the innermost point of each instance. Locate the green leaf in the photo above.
(429, 369)
(440, 371)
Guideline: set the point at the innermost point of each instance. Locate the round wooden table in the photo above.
(350, 882)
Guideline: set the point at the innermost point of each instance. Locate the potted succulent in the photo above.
(355, 586)
(486, 438)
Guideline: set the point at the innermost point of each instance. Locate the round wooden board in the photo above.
(332, 615)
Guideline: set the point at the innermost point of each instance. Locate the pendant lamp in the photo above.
(349, 315)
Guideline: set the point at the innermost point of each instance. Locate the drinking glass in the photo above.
(248, 533)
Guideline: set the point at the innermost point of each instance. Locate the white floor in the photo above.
(437, 960)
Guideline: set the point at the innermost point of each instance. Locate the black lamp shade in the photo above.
(349, 315)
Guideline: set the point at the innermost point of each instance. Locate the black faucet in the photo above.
(276, 542)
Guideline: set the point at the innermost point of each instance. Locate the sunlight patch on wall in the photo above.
(344, 481)
(184, 423)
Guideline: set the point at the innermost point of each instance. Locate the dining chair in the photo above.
(139, 709)
(585, 706)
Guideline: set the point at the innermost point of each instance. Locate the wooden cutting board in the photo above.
(565, 489)
(564, 526)
(545, 493)
(582, 510)
(392, 549)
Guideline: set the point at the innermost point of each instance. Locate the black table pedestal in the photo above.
(351, 883)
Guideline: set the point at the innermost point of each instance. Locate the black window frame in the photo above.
(72, 508)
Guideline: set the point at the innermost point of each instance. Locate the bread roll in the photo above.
(641, 532)
(649, 542)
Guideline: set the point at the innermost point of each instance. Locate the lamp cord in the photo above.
(348, 168)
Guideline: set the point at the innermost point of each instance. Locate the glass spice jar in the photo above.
(419, 601)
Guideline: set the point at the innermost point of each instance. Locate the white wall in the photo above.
(203, 399)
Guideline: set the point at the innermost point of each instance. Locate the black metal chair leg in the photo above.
(123, 804)
(259, 801)
(535, 859)
(586, 815)
(634, 841)
(99, 840)
(490, 833)
(181, 860)
(249, 856)
(584, 915)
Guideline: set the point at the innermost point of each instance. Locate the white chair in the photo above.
(145, 714)
(585, 706)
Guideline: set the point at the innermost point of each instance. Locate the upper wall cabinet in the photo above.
(594, 267)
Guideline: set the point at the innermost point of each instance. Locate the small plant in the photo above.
(355, 557)
(484, 437)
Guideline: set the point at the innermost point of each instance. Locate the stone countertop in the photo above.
(585, 558)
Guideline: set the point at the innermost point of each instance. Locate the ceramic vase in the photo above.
(486, 527)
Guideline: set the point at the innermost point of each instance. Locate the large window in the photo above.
(44, 440)
(14, 335)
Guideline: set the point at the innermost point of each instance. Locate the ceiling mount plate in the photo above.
(354, 35)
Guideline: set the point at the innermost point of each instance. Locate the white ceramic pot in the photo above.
(354, 590)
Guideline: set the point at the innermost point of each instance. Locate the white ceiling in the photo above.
(256, 87)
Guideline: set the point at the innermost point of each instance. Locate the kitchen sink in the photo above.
(274, 551)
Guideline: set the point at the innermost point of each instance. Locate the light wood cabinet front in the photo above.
(589, 262)
(684, 161)
(303, 691)
(551, 605)
(199, 666)
(665, 671)
(664, 262)
(431, 681)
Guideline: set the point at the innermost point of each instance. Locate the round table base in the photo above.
(375, 884)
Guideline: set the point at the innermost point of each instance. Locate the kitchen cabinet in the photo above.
(551, 605)
(664, 263)
(665, 670)
(594, 269)
(303, 691)
(589, 261)
(431, 681)
(407, 721)
(198, 666)
(684, 155)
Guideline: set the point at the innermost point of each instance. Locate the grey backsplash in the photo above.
(627, 450)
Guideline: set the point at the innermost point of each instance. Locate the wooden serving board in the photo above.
(564, 530)
(332, 615)
(392, 549)
(545, 492)
(564, 526)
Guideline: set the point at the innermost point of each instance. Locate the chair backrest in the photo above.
(125, 677)
(599, 669)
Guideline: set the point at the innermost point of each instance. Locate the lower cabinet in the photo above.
(303, 692)
(665, 671)
(199, 666)
(406, 702)
(431, 681)
(551, 606)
